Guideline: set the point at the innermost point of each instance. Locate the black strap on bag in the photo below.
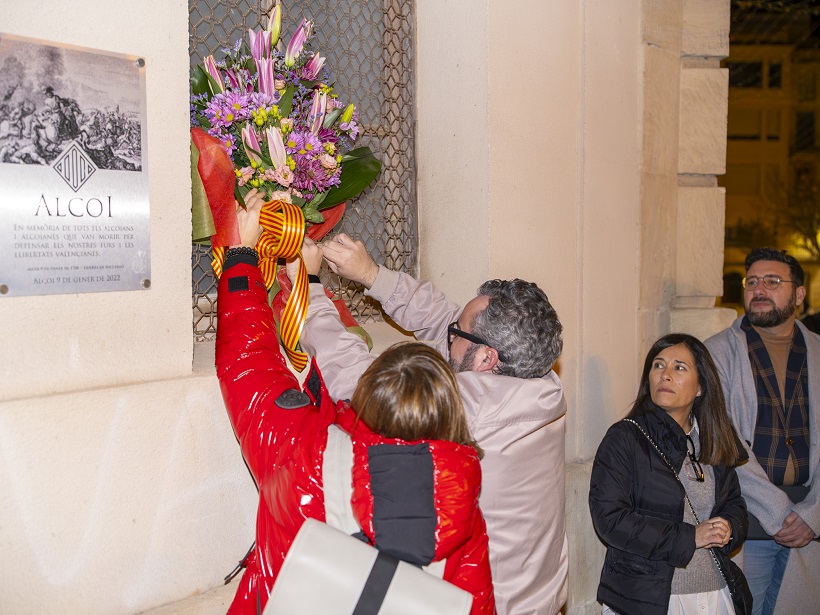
(243, 563)
(375, 588)
(734, 578)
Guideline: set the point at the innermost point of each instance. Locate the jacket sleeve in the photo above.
(249, 364)
(616, 518)
(734, 511)
(415, 305)
(342, 356)
(473, 571)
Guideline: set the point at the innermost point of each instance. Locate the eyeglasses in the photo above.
(453, 331)
(694, 471)
(770, 282)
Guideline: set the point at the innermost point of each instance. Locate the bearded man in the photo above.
(769, 365)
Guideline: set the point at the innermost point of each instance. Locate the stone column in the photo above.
(700, 212)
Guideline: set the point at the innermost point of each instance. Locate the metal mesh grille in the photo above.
(369, 49)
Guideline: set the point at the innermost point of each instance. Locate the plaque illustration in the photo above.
(67, 105)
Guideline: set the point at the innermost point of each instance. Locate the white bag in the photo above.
(328, 572)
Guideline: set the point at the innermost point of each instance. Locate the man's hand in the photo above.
(350, 260)
(794, 533)
(311, 255)
(248, 218)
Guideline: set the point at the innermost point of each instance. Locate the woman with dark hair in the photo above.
(664, 495)
(401, 471)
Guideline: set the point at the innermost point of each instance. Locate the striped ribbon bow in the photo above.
(283, 227)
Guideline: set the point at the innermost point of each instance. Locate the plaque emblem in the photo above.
(74, 166)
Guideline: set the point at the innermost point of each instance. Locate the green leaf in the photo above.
(312, 213)
(359, 168)
(239, 192)
(318, 199)
(286, 102)
(199, 81)
(331, 118)
(203, 83)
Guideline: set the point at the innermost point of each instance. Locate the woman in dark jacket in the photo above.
(659, 559)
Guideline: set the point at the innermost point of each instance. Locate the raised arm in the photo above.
(252, 373)
(342, 356)
(414, 305)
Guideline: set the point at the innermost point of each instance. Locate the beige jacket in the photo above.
(518, 422)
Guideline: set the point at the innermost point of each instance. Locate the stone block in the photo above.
(704, 95)
(702, 323)
(661, 109)
(705, 28)
(662, 24)
(700, 224)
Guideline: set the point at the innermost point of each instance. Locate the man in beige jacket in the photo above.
(502, 346)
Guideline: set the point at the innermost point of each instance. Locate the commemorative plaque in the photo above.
(74, 211)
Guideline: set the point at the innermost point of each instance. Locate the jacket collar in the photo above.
(665, 431)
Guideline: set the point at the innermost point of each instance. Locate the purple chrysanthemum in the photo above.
(309, 145)
(328, 135)
(311, 176)
(227, 108)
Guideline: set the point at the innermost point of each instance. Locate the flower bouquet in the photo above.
(265, 117)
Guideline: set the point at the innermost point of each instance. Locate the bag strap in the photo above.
(685, 496)
(377, 584)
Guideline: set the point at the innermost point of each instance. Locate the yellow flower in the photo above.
(330, 148)
(291, 163)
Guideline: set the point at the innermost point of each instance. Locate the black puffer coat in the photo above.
(637, 509)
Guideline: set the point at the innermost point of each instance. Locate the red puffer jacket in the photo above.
(417, 501)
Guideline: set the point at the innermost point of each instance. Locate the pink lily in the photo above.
(275, 24)
(311, 70)
(276, 147)
(213, 71)
(317, 111)
(251, 143)
(260, 44)
(233, 79)
(296, 43)
(264, 70)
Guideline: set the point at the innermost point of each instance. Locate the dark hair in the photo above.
(410, 392)
(717, 438)
(778, 256)
(521, 324)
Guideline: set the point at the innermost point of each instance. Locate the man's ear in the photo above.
(800, 295)
(486, 359)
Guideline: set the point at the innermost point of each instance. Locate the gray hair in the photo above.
(522, 325)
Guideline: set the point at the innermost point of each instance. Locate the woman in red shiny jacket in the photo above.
(412, 482)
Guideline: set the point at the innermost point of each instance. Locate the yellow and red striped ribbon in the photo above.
(283, 227)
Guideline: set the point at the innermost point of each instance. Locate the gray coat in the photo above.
(764, 500)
